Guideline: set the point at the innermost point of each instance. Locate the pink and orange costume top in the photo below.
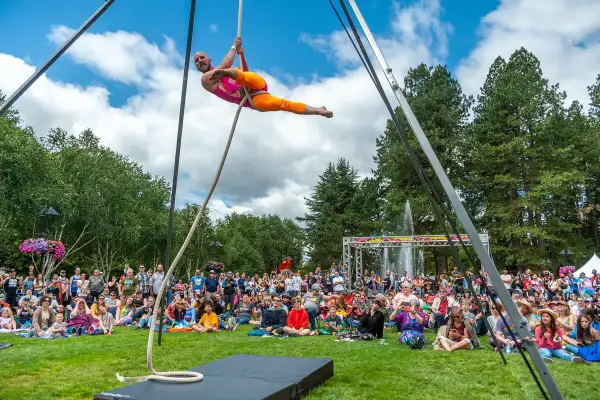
(232, 91)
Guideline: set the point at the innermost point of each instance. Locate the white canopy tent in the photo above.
(592, 264)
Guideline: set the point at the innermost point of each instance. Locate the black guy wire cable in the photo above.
(430, 189)
(351, 40)
(404, 139)
(428, 184)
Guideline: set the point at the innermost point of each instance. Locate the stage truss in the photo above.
(353, 260)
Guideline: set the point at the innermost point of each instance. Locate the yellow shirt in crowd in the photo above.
(210, 320)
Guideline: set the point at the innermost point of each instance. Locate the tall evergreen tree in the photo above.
(336, 208)
(442, 110)
(521, 164)
(590, 145)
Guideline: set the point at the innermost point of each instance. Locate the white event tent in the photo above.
(592, 264)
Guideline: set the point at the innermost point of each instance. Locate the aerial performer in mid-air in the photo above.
(228, 84)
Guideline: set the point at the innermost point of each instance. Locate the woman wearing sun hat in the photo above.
(548, 338)
(527, 311)
(565, 320)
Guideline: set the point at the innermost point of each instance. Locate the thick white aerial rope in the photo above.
(186, 376)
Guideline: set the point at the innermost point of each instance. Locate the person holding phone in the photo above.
(405, 296)
(410, 322)
(458, 334)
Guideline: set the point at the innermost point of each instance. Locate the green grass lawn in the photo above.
(77, 368)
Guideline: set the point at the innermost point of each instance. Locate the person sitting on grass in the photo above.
(144, 321)
(101, 302)
(527, 311)
(505, 335)
(176, 314)
(43, 317)
(24, 312)
(81, 318)
(548, 338)
(33, 300)
(458, 334)
(6, 321)
(112, 302)
(209, 321)
(566, 320)
(584, 341)
(263, 307)
(410, 323)
(243, 313)
(58, 328)
(333, 321)
(104, 326)
(297, 320)
(275, 317)
(372, 321)
(125, 312)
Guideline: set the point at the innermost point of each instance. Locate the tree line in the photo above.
(524, 161)
(112, 212)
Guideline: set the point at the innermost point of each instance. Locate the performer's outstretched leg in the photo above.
(267, 102)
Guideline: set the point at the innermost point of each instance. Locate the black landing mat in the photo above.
(243, 376)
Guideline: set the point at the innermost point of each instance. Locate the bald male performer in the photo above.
(227, 83)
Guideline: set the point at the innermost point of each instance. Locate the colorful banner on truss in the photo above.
(409, 239)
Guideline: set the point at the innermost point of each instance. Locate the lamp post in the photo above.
(214, 245)
(566, 258)
(45, 213)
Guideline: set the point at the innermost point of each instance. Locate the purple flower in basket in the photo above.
(566, 270)
(42, 246)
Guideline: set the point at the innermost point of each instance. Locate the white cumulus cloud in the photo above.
(564, 35)
(275, 158)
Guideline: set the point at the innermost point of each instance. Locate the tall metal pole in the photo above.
(186, 69)
(521, 323)
(40, 71)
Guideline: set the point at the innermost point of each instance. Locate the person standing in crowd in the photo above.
(96, 285)
(338, 282)
(211, 285)
(229, 288)
(129, 285)
(197, 282)
(73, 283)
(157, 279)
(143, 281)
(11, 284)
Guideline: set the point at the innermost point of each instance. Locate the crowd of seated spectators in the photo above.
(563, 314)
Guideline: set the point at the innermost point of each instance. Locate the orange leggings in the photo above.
(266, 102)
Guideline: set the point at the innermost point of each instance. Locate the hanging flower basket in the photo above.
(564, 271)
(41, 247)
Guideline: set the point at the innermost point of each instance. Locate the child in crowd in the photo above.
(58, 328)
(209, 321)
(6, 321)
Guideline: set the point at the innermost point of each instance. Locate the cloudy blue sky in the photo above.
(123, 78)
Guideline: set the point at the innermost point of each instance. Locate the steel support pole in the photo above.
(40, 71)
(345, 262)
(186, 69)
(521, 323)
(359, 263)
